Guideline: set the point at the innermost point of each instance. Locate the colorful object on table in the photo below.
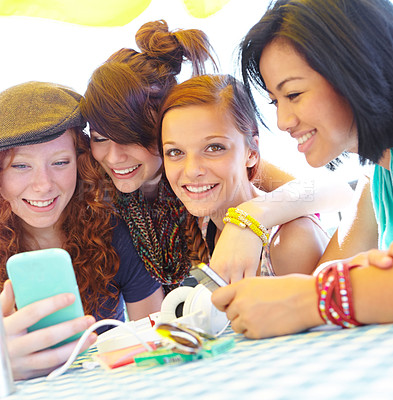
(99, 13)
(243, 220)
(120, 338)
(334, 290)
(179, 338)
(183, 344)
(164, 356)
(179, 344)
(121, 357)
(212, 348)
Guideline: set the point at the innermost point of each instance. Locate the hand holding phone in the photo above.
(39, 274)
(207, 277)
(27, 359)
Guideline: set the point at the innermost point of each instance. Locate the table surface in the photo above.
(324, 364)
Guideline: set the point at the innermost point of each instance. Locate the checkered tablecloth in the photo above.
(325, 364)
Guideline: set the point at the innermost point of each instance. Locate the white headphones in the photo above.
(193, 306)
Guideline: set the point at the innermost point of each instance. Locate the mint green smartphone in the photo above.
(39, 274)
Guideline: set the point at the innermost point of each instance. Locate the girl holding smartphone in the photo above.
(51, 196)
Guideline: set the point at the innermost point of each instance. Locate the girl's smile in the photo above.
(206, 159)
(130, 166)
(308, 107)
(39, 180)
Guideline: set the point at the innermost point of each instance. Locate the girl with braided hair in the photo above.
(209, 142)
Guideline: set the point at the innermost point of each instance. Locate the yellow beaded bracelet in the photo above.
(240, 214)
(247, 222)
(237, 221)
(243, 220)
(234, 221)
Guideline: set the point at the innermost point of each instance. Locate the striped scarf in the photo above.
(157, 231)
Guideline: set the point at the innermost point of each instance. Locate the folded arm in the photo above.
(237, 252)
(358, 231)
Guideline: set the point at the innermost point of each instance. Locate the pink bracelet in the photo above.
(334, 290)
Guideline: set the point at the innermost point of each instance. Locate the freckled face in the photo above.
(308, 107)
(39, 180)
(205, 159)
(130, 166)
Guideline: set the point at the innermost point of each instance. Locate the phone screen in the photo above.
(207, 277)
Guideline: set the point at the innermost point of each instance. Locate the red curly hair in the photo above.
(86, 223)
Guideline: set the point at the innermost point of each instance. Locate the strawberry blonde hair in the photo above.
(86, 224)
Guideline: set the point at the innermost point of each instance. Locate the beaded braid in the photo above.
(197, 248)
(157, 233)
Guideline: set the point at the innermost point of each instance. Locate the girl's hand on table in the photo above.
(381, 258)
(264, 307)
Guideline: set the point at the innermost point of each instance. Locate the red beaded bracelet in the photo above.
(334, 290)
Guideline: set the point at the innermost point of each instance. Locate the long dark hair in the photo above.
(348, 42)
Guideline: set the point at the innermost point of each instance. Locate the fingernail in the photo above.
(90, 319)
(387, 261)
(70, 297)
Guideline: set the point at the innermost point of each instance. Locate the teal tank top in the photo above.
(382, 194)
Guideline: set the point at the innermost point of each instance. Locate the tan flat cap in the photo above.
(37, 112)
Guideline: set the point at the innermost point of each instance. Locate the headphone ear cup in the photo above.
(188, 302)
(173, 304)
(211, 320)
(197, 309)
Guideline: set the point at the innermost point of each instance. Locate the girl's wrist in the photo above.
(244, 220)
(334, 289)
(259, 209)
(307, 303)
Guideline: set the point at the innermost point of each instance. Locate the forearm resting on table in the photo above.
(372, 294)
(266, 307)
